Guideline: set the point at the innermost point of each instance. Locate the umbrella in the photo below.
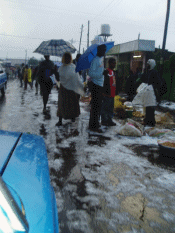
(55, 48)
(84, 62)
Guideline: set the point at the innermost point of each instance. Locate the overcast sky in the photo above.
(24, 24)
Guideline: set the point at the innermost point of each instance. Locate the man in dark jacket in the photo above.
(45, 70)
(96, 87)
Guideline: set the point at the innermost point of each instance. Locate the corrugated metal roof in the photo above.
(131, 46)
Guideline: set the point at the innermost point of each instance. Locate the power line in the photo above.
(106, 8)
(26, 37)
(47, 8)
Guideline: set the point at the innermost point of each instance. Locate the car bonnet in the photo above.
(8, 142)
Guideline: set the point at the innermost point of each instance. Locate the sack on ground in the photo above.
(155, 132)
(131, 128)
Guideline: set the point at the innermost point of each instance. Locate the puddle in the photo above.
(43, 130)
(153, 154)
(98, 140)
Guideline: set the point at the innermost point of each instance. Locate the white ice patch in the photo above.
(169, 217)
(59, 201)
(75, 175)
(64, 144)
(78, 220)
(56, 164)
(167, 181)
(53, 97)
(168, 104)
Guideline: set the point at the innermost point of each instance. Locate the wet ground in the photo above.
(103, 182)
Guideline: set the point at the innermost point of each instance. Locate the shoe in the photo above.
(105, 123)
(111, 123)
(58, 123)
(149, 125)
(44, 110)
(97, 130)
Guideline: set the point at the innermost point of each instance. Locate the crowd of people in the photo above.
(102, 84)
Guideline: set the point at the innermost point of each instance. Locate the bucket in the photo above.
(167, 151)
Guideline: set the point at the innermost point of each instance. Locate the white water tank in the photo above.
(105, 29)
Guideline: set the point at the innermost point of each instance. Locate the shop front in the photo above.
(133, 53)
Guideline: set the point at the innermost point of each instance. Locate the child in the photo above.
(109, 89)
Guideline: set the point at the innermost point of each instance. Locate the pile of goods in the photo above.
(138, 114)
(164, 118)
(121, 108)
(168, 144)
(118, 103)
(85, 99)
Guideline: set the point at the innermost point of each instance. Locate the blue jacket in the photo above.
(96, 71)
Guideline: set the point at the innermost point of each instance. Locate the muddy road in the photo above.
(103, 182)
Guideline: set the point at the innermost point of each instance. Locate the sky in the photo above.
(25, 24)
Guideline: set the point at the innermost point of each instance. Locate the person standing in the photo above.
(22, 71)
(27, 77)
(130, 86)
(71, 87)
(45, 70)
(20, 75)
(96, 76)
(109, 91)
(152, 78)
(35, 77)
(75, 61)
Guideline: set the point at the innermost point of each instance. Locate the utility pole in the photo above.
(165, 33)
(80, 37)
(88, 36)
(26, 57)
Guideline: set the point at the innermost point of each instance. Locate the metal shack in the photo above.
(132, 55)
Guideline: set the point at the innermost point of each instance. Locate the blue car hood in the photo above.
(8, 142)
(27, 173)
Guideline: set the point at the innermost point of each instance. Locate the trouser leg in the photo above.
(107, 109)
(36, 86)
(150, 116)
(45, 99)
(21, 81)
(25, 84)
(96, 100)
(104, 110)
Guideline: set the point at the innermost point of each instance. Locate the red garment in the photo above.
(112, 82)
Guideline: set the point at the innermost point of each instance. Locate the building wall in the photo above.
(15, 61)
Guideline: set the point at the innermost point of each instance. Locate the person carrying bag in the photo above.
(149, 93)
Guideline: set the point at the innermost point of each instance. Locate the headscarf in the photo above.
(152, 63)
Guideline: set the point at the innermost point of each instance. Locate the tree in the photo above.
(33, 62)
